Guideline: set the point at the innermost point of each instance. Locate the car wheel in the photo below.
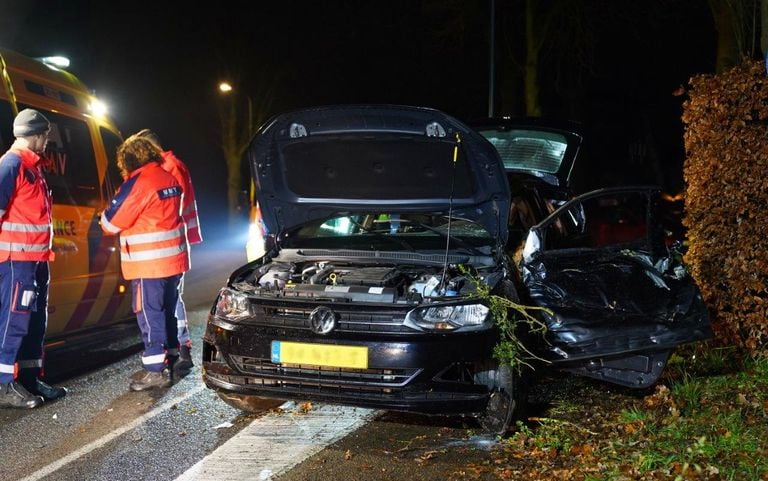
(506, 403)
(249, 403)
(507, 385)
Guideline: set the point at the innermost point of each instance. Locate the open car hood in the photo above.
(315, 163)
(541, 148)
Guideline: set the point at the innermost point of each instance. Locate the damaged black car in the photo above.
(605, 264)
(383, 223)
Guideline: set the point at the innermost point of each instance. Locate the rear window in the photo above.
(396, 168)
(528, 149)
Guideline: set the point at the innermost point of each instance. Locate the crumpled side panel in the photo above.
(614, 303)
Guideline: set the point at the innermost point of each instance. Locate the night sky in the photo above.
(157, 65)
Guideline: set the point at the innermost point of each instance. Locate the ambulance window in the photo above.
(69, 162)
(6, 126)
(113, 179)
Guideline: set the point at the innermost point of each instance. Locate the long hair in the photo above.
(151, 136)
(136, 152)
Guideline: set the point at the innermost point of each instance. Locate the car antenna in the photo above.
(450, 211)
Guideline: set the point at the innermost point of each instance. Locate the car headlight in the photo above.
(254, 246)
(467, 317)
(232, 305)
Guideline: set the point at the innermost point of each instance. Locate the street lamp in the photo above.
(225, 87)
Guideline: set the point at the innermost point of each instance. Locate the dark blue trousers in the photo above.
(154, 302)
(23, 316)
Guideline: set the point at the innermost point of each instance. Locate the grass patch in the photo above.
(706, 420)
(633, 415)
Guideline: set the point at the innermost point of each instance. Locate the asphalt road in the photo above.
(102, 431)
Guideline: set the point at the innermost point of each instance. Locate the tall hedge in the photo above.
(726, 171)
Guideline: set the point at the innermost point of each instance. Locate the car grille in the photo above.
(349, 319)
(301, 375)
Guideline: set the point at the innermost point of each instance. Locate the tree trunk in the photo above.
(763, 25)
(234, 180)
(727, 34)
(532, 101)
(236, 133)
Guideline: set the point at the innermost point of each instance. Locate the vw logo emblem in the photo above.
(322, 320)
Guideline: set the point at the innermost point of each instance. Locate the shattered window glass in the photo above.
(529, 149)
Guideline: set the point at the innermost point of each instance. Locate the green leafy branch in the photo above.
(510, 348)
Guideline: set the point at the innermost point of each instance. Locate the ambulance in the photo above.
(88, 296)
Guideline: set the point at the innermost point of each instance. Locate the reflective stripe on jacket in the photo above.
(176, 167)
(26, 232)
(145, 211)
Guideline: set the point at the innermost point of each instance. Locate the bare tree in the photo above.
(240, 119)
(556, 31)
(535, 33)
(764, 26)
(736, 25)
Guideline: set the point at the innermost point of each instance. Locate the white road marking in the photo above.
(55, 466)
(274, 443)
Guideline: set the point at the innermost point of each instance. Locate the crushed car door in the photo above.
(619, 299)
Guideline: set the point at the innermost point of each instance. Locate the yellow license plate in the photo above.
(320, 354)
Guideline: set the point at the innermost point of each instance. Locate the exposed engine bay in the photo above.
(359, 282)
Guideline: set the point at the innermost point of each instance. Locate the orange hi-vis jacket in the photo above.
(145, 211)
(176, 167)
(26, 232)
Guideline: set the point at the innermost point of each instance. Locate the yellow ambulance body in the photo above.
(87, 292)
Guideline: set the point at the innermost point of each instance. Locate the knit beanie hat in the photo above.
(30, 122)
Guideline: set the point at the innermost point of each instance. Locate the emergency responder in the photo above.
(153, 253)
(176, 167)
(26, 234)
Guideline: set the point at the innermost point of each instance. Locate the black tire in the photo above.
(508, 387)
(507, 402)
(249, 403)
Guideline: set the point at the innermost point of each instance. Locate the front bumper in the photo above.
(428, 373)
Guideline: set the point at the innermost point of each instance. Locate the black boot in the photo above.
(32, 383)
(183, 364)
(14, 395)
(151, 380)
(48, 392)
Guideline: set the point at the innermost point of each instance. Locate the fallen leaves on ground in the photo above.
(304, 407)
(590, 431)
